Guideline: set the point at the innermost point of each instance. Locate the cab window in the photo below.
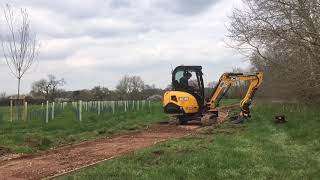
(193, 81)
(178, 76)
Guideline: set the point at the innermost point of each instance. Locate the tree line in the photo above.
(282, 39)
(128, 88)
(51, 89)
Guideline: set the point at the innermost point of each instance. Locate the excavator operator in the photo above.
(184, 81)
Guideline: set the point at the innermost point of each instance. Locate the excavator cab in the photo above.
(194, 85)
(186, 99)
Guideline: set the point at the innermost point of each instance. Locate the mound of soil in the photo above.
(4, 151)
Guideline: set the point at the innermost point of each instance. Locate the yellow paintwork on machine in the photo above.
(184, 100)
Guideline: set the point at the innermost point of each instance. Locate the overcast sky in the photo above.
(96, 42)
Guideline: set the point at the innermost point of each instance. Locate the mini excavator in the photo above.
(187, 103)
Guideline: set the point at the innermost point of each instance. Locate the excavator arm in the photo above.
(229, 79)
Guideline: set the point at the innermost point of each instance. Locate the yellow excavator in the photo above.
(186, 100)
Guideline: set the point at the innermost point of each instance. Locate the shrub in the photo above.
(155, 98)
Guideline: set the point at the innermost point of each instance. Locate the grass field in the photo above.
(34, 134)
(258, 149)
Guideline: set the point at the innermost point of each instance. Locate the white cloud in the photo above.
(95, 42)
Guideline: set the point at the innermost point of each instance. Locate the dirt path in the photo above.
(61, 160)
(67, 158)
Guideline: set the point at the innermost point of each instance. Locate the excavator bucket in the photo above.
(238, 120)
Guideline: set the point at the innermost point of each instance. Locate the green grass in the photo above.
(227, 102)
(34, 134)
(258, 149)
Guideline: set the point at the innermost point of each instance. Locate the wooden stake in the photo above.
(47, 112)
(98, 107)
(113, 107)
(80, 111)
(52, 111)
(25, 111)
(133, 105)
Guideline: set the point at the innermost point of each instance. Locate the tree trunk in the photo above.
(47, 94)
(53, 94)
(18, 101)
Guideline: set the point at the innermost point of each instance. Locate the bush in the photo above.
(36, 141)
(155, 98)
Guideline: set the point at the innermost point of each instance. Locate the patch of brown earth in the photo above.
(71, 157)
(68, 158)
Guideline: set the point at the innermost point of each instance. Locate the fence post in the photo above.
(112, 107)
(86, 106)
(80, 111)
(25, 111)
(149, 106)
(101, 106)
(52, 111)
(98, 107)
(47, 112)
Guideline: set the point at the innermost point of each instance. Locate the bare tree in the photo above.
(282, 38)
(136, 85)
(211, 84)
(20, 47)
(100, 93)
(47, 88)
(54, 83)
(3, 95)
(130, 86)
(124, 85)
(41, 88)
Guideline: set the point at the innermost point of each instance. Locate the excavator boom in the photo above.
(229, 79)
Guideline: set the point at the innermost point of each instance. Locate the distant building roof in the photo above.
(21, 97)
(62, 99)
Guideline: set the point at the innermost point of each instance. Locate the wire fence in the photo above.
(49, 111)
(113, 107)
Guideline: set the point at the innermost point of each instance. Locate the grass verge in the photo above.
(34, 135)
(258, 149)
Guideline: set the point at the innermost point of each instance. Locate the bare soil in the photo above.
(64, 159)
(68, 158)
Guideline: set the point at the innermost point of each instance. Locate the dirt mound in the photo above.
(4, 151)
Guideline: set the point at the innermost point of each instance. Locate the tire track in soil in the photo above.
(66, 159)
